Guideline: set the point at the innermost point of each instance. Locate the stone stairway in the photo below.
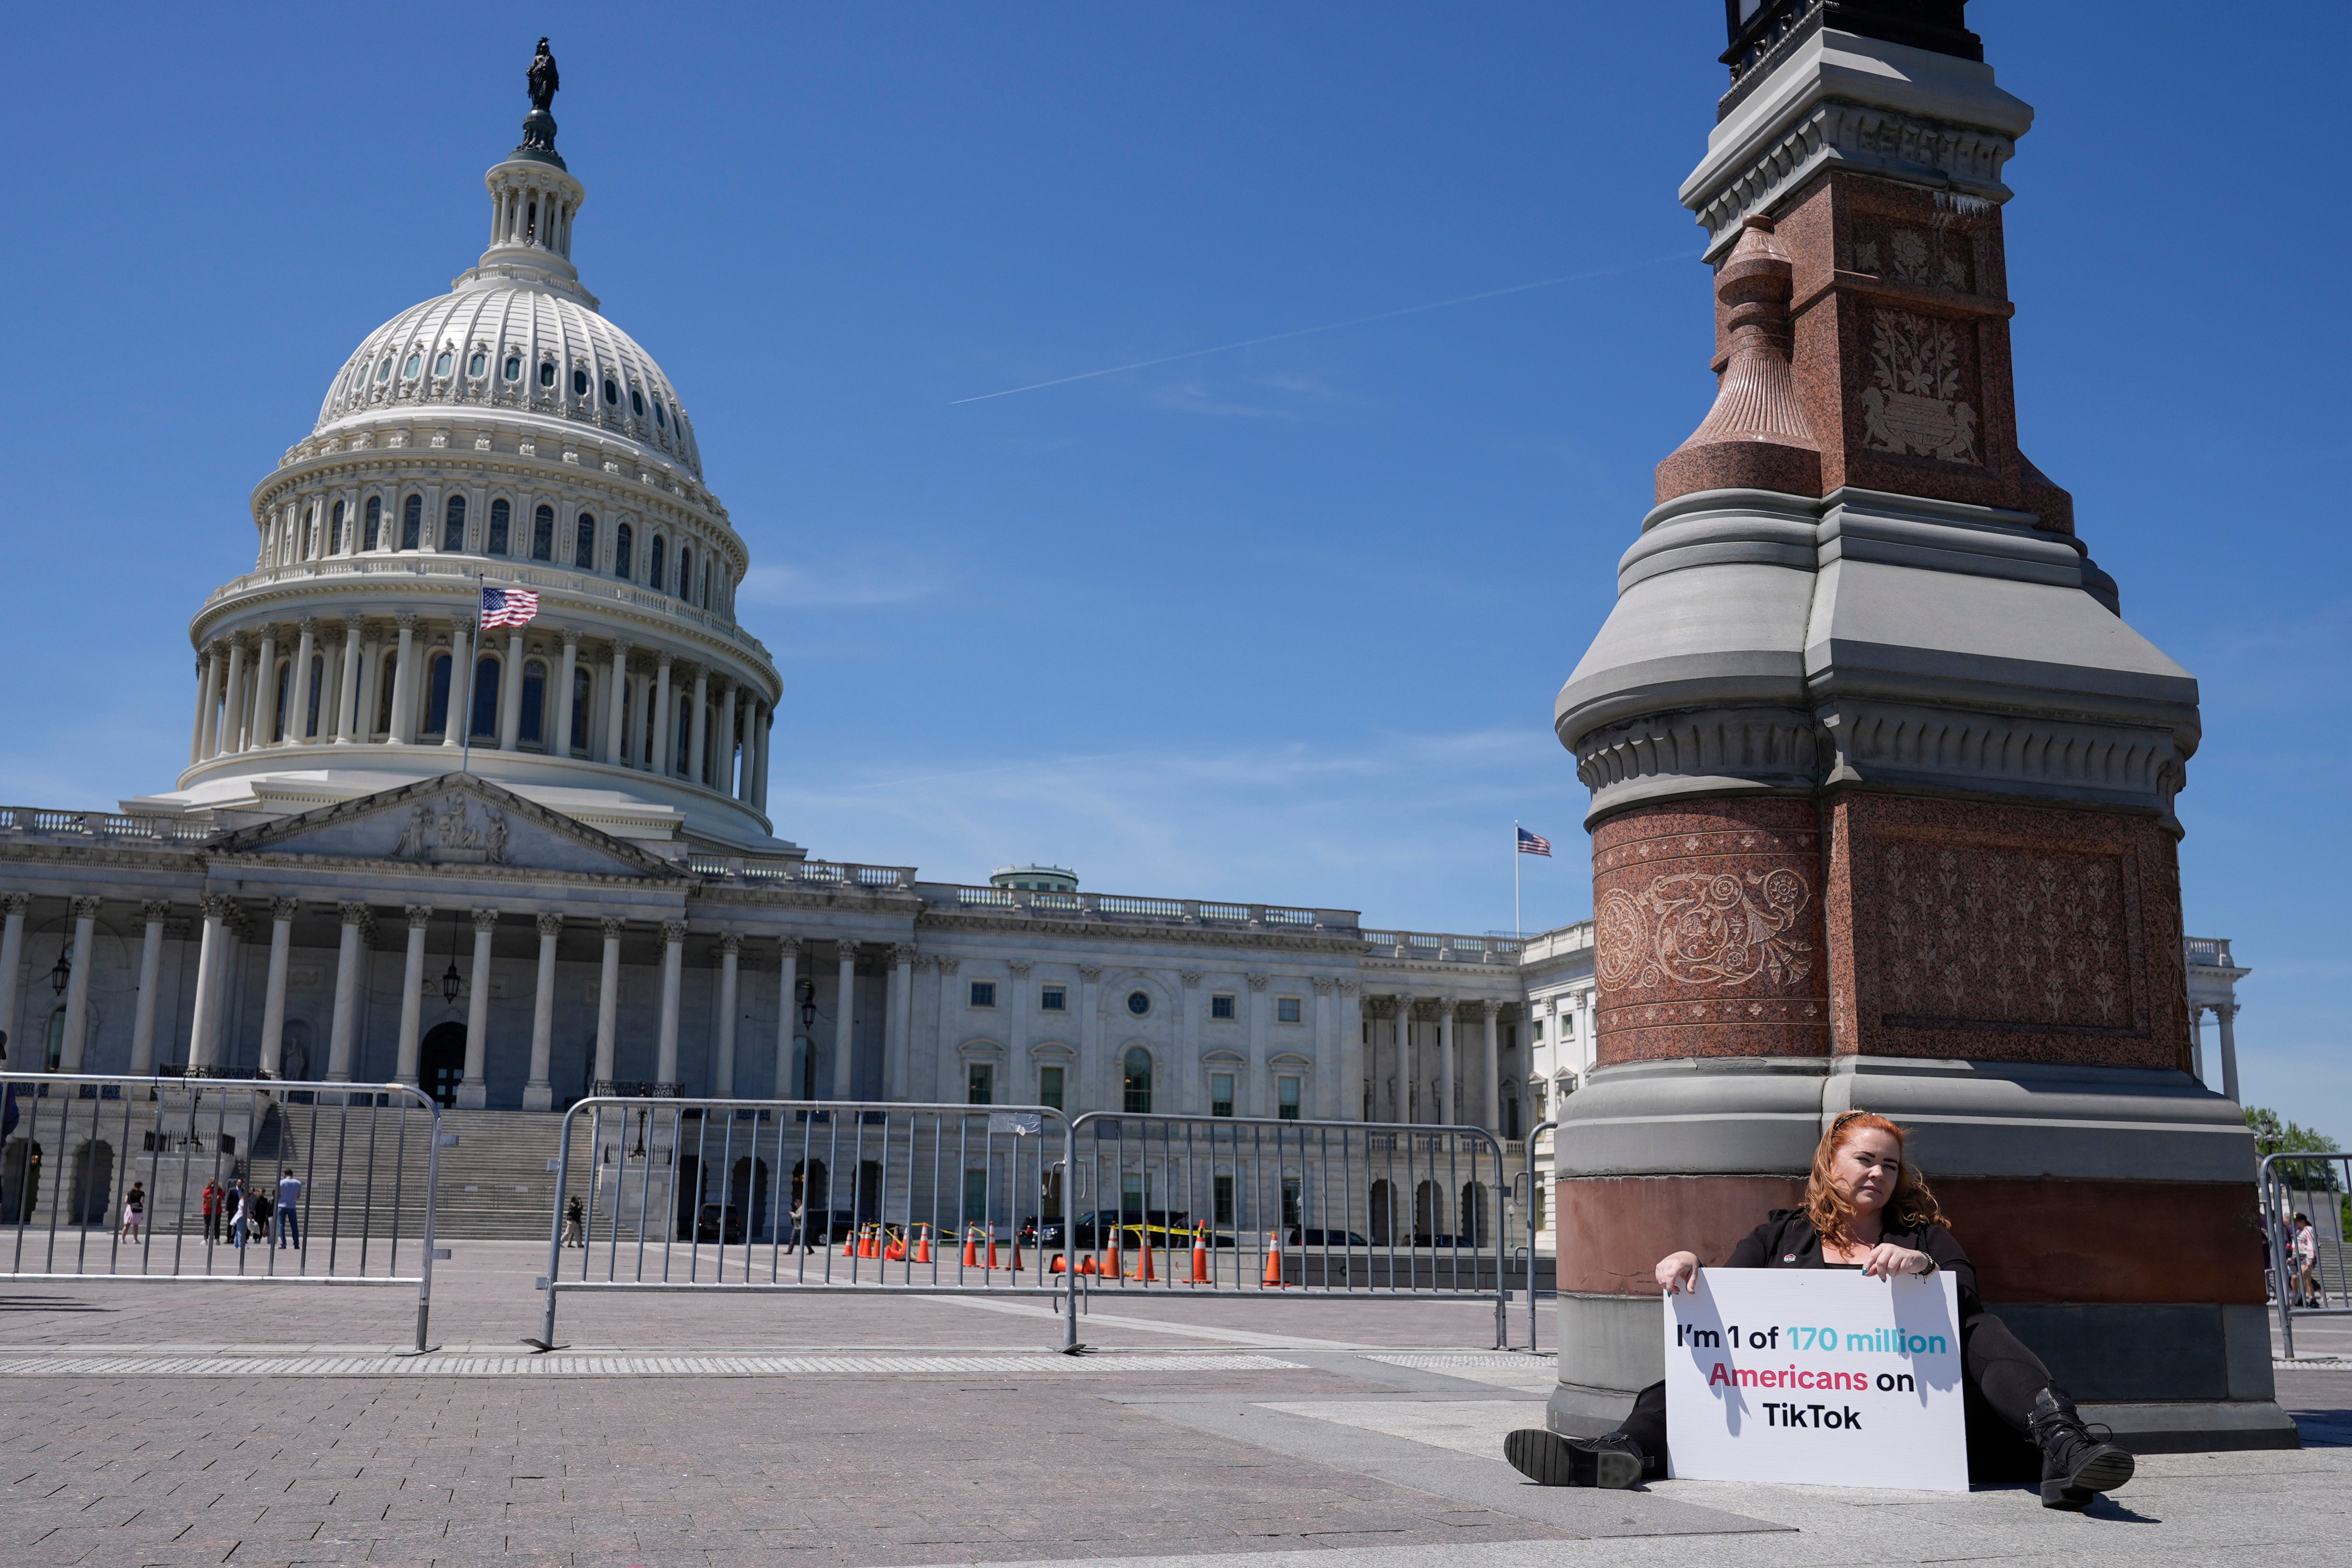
(494, 1180)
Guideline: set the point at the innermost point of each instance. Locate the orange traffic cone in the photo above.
(1086, 1264)
(849, 1246)
(1112, 1266)
(1016, 1257)
(894, 1250)
(1056, 1267)
(870, 1244)
(1274, 1261)
(1200, 1255)
(1143, 1262)
(971, 1247)
(992, 1263)
(922, 1243)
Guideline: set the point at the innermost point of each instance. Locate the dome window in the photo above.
(621, 541)
(547, 373)
(513, 367)
(415, 360)
(584, 543)
(441, 364)
(612, 391)
(502, 526)
(661, 416)
(478, 364)
(637, 401)
(412, 522)
(542, 535)
(654, 564)
(452, 525)
(579, 383)
(384, 371)
(372, 517)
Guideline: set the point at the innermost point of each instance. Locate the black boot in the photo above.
(2075, 1465)
(1550, 1460)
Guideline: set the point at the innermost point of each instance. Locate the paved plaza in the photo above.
(230, 1423)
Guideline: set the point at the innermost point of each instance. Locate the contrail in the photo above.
(1330, 327)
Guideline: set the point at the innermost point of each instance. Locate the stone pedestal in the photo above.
(1882, 794)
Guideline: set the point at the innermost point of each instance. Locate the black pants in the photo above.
(2001, 1377)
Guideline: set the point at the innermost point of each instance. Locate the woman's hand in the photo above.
(1679, 1271)
(1886, 1260)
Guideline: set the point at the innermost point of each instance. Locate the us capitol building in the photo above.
(557, 874)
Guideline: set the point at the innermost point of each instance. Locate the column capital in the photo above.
(352, 914)
(902, 952)
(84, 909)
(613, 926)
(155, 910)
(787, 944)
(485, 920)
(1190, 978)
(549, 924)
(419, 916)
(217, 906)
(1322, 984)
(663, 659)
(848, 950)
(307, 625)
(949, 965)
(1020, 967)
(621, 646)
(730, 942)
(922, 962)
(673, 934)
(1257, 982)
(1350, 987)
(571, 636)
(1091, 972)
(282, 911)
(1489, 1008)
(405, 620)
(14, 903)
(354, 623)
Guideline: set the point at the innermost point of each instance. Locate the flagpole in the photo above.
(1518, 926)
(466, 749)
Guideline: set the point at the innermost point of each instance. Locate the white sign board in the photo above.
(1816, 1377)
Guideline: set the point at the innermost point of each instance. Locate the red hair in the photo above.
(1912, 1207)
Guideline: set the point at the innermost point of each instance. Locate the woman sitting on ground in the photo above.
(1865, 1208)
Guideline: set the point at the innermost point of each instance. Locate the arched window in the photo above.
(584, 543)
(415, 361)
(583, 684)
(637, 401)
(372, 524)
(486, 696)
(579, 383)
(654, 564)
(501, 524)
(383, 689)
(317, 690)
(542, 535)
(284, 675)
(1137, 1081)
(534, 700)
(437, 696)
(685, 737)
(412, 524)
(612, 392)
(513, 367)
(452, 525)
(341, 546)
(478, 364)
(441, 362)
(547, 372)
(621, 550)
(661, 414)
(684, 573)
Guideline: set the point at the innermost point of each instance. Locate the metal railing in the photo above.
(1527, 1207)
(1270, 1207)
(2310, 1270)
(200, 1154)
(775, 1196)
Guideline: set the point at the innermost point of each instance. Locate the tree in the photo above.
(2273, 1135)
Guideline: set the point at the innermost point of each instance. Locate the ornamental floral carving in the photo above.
(1704, 929)
(1913, 404)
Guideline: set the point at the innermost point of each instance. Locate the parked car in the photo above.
(1299, 1237)
(723, 1225)
(1092, 1228)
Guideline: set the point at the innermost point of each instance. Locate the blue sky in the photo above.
(1281, 621)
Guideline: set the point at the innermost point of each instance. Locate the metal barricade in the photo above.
(203, 1158)
(1528, 1206)
(740, 1196)
(1220, 1204)
(2309, 1271)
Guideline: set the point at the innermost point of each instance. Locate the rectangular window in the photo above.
(1220, 1094)
(984, 993)
(1542, 1218)
(1535, 1030)
(1290, 1204)
(1224, 1201)
(1134, 1197)
(1053, 999)
(1510, 1037)
(1220, 1006)
(1049, 1087)
(502, 526)
(1285, 1009)
(980, 1084)
(975, 1197)
(534, 700)
(1286, 1099)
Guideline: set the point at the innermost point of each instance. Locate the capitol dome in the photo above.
(501, 439)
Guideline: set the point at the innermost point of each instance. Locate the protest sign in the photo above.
(1816, 1377)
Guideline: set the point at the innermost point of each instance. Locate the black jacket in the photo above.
(1787, 1239)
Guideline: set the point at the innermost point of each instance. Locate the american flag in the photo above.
(1530, 843)
(508, 606)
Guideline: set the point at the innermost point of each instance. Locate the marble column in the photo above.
(1448, 1075)
(212, 959)
(608, 1002)
(538, 1093)
(261, 727)
(1327, 1081)
(2226, 1015)
(788, 957)
(232, 726)
(351, 965)
(371, 701)
(731, 957)
(1089, 1060)
(12, 960)
(722, 767)
(1405, 1098)
(347, 700)
(617, 703)
(298, 702)
(474, 1088)
(77, 1032)
(1351, 1051)
(154, 913)
(464, 654)
(510, 695)
(949, 1081)
(411, 994)
(896, 1085)
(844, 1007)
(697, 755)
(273, 996)
(405, 682)
(1257, 1090)
(555, 722)
(750, 765)
(673, 978)
(200, 744)
(760, 797)
(1191, 1087)
(1491, 1074)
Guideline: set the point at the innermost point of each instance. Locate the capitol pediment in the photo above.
(456, 819)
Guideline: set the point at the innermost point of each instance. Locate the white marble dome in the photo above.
(513, 347)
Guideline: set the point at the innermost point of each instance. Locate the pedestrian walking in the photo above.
(233, 1213)
(575, 1225)
(134, 1213)
(259, 1205)
(214, 1197)
(2305, 1245)
(289, 1199)
(794, 1239)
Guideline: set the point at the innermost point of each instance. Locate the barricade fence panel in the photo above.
(1267, 1206)
(805, 1196)
(250, 1180)
(2306, 1210)
(1533, 1201)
